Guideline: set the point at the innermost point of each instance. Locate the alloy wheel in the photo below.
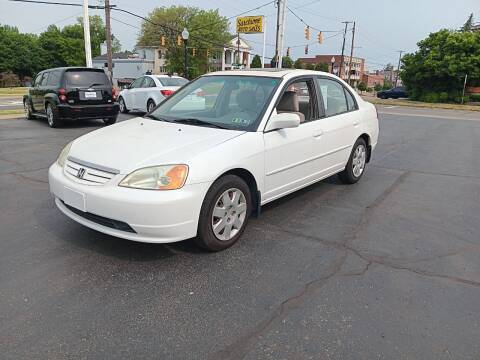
(122, 105)
(26, 108)
(359, 160)
(50, 116)
(229, 214)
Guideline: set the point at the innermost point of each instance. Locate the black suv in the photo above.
(395, 93)
(71, 93)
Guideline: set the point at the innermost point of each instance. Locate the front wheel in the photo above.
(224, 214)
(150, 105)
(356, 163)
(28, 110)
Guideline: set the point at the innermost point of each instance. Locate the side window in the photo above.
(148, 83)
(333, 96)
(54, 78)
(45, 79)
(137, 83)
(350, 101)
(38, 80)
(299, 98)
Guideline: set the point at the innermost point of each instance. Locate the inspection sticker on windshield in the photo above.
(241, 121)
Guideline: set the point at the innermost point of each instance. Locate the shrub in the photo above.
(431, 97)
(362, 86)
(378, 87)
(475, 97)
(443, 97)
(370, 89)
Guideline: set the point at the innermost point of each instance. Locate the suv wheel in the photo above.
(150, 105)
(110, 121)
(356, 163)
(52, 116)
(28, 110)
(224, 214)
(123, 107)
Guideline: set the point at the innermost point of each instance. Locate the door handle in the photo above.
(356, 123)
(317, 133)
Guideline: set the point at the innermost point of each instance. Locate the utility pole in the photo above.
(108, 35)
(281, 4)
(398, 67)
(86, 35)
(351, 54)
(343, 47)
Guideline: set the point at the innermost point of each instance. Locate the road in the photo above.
(385, 269)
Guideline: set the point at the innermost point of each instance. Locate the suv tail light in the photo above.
(167, 93)
(62, 96)
(114, 93)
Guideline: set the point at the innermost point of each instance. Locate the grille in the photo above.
(87, 174)
(101, 220)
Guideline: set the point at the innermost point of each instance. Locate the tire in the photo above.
(356, 163)
(123, 106)
(28, 110)
(53, 119)
(150, 105)
(235, 217)
(110, 121)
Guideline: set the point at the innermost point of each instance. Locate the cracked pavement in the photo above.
(385, 269)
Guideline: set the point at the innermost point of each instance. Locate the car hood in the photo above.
(142, 142)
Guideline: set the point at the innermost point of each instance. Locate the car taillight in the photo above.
(62, 96)
(167, 92)
(114, 93)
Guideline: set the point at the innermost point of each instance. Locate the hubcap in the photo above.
(50, 116)
(26, 107)
(150, 106)
(359, 159)
(122, 105)
(229, 214)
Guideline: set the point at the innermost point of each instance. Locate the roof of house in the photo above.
(120, 55)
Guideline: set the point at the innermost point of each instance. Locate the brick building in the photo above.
(357, 68)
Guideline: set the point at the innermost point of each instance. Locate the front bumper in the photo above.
(140, 215)
(80, 112)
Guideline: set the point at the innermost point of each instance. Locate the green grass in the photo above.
(11, 112)
(13, 91)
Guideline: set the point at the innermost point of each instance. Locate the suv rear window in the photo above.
(167, 81)
(86, 78)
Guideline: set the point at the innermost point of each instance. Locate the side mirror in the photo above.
(283, 121)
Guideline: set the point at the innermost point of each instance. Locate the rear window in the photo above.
(86, 78)
(167, 81)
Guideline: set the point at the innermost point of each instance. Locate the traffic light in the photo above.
(320, 37)
(194, 52)
(208, 53)
(162, 40)
(179, 40)
(288, 51)
(306, 49)
(307, 32)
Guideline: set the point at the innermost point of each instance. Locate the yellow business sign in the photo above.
(250, 24)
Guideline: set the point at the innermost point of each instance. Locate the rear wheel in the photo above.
(123, 106)
(28, 110)
(224, 213)
(150, 105)
(53, 118)
(356, 163)
(110, 120)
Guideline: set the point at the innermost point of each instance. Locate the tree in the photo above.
(298, 64)
(287, 62)
(440, 64)
(378, 87)
(468, 24)
(362, 86)
(208, 31)
(310, 67)
(322, 67)
(256, 62)
(387, 84)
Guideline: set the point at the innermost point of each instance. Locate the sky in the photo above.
(382, 26)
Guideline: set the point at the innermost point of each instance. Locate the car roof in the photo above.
(269, 72)
(166, 76)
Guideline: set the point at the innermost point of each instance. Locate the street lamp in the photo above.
(185, 35)
(333, 62)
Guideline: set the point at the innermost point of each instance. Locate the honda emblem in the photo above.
(81, 173)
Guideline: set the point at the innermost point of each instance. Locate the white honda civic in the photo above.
(179, 173)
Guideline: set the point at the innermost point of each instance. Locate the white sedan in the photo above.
(179, 173)
(148, 91)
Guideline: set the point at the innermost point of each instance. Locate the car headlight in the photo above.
(63, 154)
(165, 177)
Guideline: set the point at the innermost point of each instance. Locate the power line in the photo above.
(311, 27)
(59, 3)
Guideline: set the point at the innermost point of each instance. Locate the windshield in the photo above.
(81, 78)
(168, 81)
(229, 101)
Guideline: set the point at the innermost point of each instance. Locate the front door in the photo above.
(130, 96)
(143, 92)
(37, 100)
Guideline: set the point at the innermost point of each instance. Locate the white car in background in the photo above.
(179, 173)
(148, 91)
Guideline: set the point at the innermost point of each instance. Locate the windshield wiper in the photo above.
(195, 121)
(150, 116)
(94, 84)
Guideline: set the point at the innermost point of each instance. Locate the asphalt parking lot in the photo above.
(385, 269)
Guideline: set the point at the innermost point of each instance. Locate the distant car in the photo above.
(148, 91)
(175, 174)
(395, 93)
(71, 93)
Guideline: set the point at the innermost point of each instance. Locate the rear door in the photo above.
(87, 87)
(42, 90)
(37, 101)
